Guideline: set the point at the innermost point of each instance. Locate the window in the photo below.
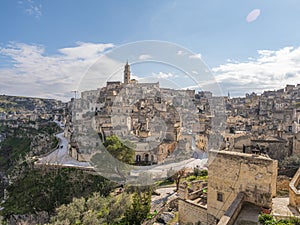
(220, 197)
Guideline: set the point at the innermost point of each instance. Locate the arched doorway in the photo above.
(146, 157)
(137, 158)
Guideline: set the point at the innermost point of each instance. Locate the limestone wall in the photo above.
(296, 144)
(294, 192)
(277, 149)
(233, 211)
(191, 213)
(232, 172)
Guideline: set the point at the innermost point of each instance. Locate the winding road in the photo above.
(60, 156)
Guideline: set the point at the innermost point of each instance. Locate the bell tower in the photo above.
(127, 73)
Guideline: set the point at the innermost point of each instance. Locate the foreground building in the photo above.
(235, 179)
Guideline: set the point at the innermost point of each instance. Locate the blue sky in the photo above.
(242, 54)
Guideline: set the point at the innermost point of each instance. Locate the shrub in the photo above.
(266, 219)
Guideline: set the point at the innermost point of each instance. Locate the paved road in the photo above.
(60, 156)
(161, 171)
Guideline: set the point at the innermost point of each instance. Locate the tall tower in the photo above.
(127, 74)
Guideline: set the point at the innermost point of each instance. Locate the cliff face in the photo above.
(42, 144)
(19, 146)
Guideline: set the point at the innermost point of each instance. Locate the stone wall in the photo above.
(296, 144)
(277, 149)
(164, 150)
(233, 211)
(294, 192)
(232, 172)
(190, 213)
(241, 141)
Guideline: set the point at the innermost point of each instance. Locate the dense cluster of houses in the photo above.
(158, 121)
(268, 123)
(161, 121)
(16, 111)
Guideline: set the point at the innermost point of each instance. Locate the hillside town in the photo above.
(259, 131)
(17, 111)
(160, 120)
(245, 143)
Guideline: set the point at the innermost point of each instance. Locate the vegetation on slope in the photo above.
(128, 208)
(42, 190)
(11, 149)
(291, 161)
(18, 141)
(121, 150)
(267, 219)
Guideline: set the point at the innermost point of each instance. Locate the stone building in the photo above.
(296, 119)
(276, 147)
(296, 144)
(234, 179)
(231, 173)
(192, 203)
(157, 120)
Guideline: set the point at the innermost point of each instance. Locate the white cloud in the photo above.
(253, 15)
(85, 50)
(34, 73)
(180, 52)
(270, 70)
(31, 8)
(162, 75)
(195, 56)
(145, 57)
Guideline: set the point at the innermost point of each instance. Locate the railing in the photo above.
(233, 211)
(294, 192)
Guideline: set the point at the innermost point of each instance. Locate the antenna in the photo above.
(75, 92)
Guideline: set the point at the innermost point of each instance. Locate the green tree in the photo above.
(71, 213)
(140, 207)
(95, 210)
(121, 150)
(46, 190)
(268, 219)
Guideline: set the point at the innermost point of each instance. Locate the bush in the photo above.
(199, 172)
(266, 219)
(46, 190)
(291, 161)
(295, 221)
(191, 178)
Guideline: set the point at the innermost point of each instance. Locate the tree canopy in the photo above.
(128, 208)
(122, 150)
